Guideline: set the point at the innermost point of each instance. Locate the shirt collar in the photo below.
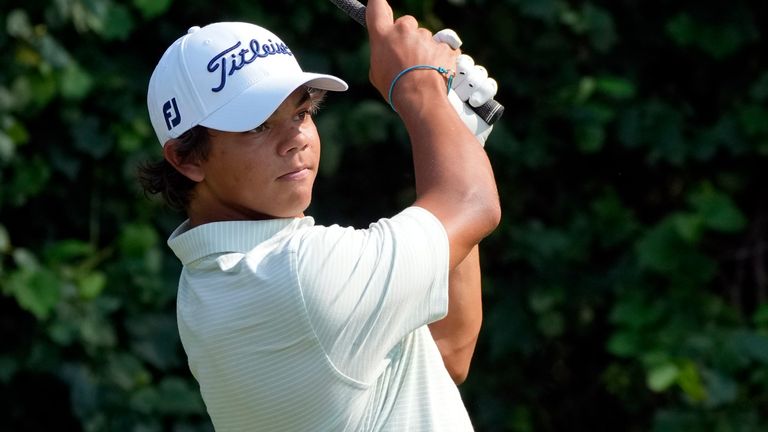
(191, 244)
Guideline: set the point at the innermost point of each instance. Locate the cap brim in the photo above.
(254, 106)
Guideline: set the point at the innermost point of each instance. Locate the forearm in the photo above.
(456, 334)
(454, 179)
(453, 175)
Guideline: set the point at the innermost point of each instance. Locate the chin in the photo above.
(295, 211)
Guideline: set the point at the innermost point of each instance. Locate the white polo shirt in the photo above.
(290, 326)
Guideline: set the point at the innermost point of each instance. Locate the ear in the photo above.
(190, 167)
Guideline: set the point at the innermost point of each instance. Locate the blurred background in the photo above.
(626, 288)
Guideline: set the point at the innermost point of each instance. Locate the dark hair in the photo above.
(161, 177)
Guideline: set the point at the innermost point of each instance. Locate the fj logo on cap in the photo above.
(243, 58)
(171, 114)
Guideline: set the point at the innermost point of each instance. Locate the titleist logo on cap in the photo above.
(229, 64)
(228, 76)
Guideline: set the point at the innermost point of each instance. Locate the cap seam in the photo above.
(190, 82)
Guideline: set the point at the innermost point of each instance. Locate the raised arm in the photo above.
(456, 334)
(454, 180)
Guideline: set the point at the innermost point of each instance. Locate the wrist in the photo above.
(417, 84)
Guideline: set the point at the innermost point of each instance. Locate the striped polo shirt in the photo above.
(289, 326)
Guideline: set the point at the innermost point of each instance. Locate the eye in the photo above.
(303, 114)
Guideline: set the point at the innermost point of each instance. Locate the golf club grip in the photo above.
(489, 111)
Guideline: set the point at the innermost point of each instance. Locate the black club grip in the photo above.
(489, 111)
(353, 8)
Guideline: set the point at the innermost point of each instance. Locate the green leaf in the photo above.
(681, 29)
(585, 89)
(67, 251)
(725, 134)
(53, 53)
(16, 130)
(593, 21)
(690, 381)
(717, 210)
(144, 400)
(615, 87)
(657, 126)
(664, 250)
(719, 39)
(663, 376)
(129, 141)
(625, 344)
(720, 389)
(173, 396)
(617, 223)
(751, 344)
(590, 138)
(688, 226)
(27, 180)
(127, 372)
(154, 337)
(178, 397)
(602, 30)
(17, 24)
(63, 332)
(36, 291)
(91, 285)
(34, 90)
(7, 147)
(551, 324)
(76, 83)
(760, 318)
(660, 247)
(636, 313)
(97, 333)
(25, 260)
(136, 239)
(5, 240)
(118, 23)
(152, 8)
(12, 135)
(754, 120)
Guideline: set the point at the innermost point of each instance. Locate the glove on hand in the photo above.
(471, 85)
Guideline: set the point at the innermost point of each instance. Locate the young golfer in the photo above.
(291, 326)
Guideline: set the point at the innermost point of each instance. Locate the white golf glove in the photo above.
(471, 86)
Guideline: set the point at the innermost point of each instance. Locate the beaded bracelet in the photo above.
(447, 72)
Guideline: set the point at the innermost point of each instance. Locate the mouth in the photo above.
(299, 173)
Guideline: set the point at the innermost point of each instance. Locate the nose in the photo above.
(292, 140)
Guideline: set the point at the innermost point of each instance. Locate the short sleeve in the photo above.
(365, 290)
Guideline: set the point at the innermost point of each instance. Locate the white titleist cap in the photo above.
(228, 76)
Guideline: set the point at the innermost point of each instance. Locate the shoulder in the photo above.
(413, 220)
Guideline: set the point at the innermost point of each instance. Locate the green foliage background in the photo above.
(625, 289)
